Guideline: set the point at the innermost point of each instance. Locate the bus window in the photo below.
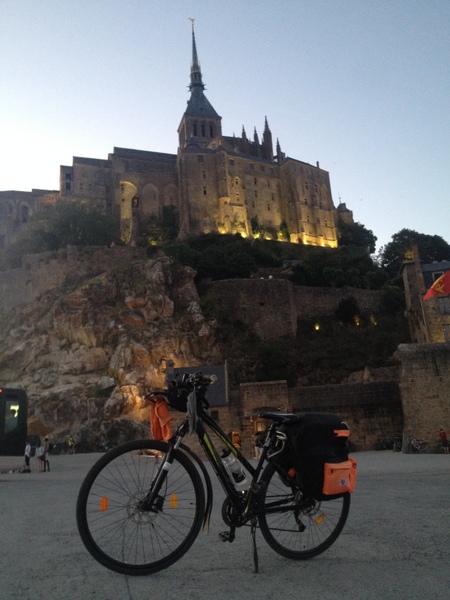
(13, 421)
(11, 416)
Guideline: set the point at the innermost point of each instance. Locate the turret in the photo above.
(267, 145)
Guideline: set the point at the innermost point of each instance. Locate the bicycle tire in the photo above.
(322, 521)
(121, 536)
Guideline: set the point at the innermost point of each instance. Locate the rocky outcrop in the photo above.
(87, 356)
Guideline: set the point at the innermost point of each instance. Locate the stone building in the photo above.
(429, 321)
(215, 183)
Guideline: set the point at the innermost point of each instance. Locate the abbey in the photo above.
(215, 183)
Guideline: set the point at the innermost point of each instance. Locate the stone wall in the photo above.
(425, 389)
(372, 410)
(266, 305)
(273, 306)
(42, 273)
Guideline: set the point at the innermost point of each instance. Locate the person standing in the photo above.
(27, 457)
(40, 458)
(71, 445)
(46, 453)
(444, 440)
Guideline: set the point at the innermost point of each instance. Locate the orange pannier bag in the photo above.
(339, 478)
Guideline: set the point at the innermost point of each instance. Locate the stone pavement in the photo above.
(395, 543)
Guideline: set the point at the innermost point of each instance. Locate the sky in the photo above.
(362, 86)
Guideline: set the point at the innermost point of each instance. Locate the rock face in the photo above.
(87, 357)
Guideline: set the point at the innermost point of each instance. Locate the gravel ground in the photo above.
(395, 543)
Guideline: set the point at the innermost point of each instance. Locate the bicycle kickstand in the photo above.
(255, 550)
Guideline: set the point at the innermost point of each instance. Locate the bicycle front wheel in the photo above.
(295, 526)
(115, 526)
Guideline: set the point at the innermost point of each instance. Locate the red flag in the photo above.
(440, 286)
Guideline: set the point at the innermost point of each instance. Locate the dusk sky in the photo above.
(362, 86)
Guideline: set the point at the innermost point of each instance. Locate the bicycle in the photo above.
(137, 516)
(418, 446)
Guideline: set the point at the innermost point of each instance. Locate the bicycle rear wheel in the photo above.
(297, 527)
(114, 527)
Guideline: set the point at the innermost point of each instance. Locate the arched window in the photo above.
(24, 213)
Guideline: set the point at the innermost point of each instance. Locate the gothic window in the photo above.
(195, 129)
(236, 181)
(255, 181)
(204, 190)
(203, 130)
(268, 207)
(268, 183)
(306, 185)
(211, 131)
(231, 162)
(67, 186)
(68, 177)
(204, 174)
(253, 204)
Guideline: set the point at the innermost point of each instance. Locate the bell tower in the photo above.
(200, 123)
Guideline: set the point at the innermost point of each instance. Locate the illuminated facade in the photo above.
(214, 182)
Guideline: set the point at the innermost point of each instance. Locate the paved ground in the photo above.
(396, 543)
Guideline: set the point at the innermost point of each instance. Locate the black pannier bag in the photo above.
(318, 449)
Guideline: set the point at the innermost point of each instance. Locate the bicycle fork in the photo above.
(152, 501)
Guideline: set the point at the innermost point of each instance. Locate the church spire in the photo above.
(200, 123)
(196, 74)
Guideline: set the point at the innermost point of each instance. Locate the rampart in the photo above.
(272, 307)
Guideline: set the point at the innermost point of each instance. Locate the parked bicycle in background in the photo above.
(418, 446)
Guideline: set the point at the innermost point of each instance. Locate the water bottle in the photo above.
(234, 468)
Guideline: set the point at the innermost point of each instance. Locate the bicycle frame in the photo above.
(243, 502)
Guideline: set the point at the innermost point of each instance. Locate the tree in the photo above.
(430, 247)
(64, 223)
(355, 234)
(157, 232)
